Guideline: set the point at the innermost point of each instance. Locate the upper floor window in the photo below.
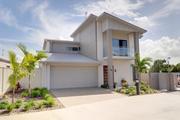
(119, 47)
(74, 49)
(119, 43)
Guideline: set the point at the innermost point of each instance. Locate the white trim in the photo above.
(100, 75)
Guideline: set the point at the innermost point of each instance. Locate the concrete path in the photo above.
(164, 106)
(79, 96)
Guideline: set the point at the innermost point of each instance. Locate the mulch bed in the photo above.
(7, 97)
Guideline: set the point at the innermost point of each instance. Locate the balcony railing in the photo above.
(116, 51)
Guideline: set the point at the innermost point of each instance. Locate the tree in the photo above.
(17, 73)
(142, 65)
(161, 66)
(176, 68)
(30, 61)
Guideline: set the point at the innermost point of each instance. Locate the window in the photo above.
(74, 48)
(119, 43)
(119, 47)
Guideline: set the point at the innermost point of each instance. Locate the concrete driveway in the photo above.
(79, 96)
(164, 106)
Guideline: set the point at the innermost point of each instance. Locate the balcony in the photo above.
(122, 52)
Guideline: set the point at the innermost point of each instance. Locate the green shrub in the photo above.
(36, 93)
(124, 83)
(37, 88)
(28, 105)
(10, 107)
(47, 96)
(18, 104)
(123, 91)
(25, 93)
(132, 90)
(3, 105)
(117, 90)
(39, 105)
(44, 91)
(39, 92)
(49, 102)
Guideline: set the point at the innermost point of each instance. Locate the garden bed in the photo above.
(39, 100)
(131, 90)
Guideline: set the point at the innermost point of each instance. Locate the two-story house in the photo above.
(102, 52)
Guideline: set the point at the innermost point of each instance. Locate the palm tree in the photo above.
(30, 61)
(142, 65)
(17, 73)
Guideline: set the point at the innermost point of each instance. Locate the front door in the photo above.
(105, 74)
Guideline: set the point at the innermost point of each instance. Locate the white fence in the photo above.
(36, 79)
(4, 84)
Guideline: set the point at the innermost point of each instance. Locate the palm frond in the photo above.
(12, 59)
(40, 55)
(23, 48)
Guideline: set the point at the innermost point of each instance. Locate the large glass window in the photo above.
(119, 43)
(119, 47)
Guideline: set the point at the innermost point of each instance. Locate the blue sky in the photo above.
(30, 21)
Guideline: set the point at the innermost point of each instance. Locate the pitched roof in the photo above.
(83, 24)
(103, 15)
(121, 21)
(68, 58)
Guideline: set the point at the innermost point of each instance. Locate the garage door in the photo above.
(73, 77)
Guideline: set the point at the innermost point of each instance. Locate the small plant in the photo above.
(28, 105)
(49, 102)
(3, 105)
(131, 90)
(39, 105)
(36, 93)
(44, 91)
(124, 83)
(10, 107)
(37, 88)
(25, 93)
(47, 96)
(18, 104)
(117, 90)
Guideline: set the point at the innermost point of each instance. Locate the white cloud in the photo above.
(52, 24)
(8, 18)
(170, 6)
(144, 22)
(118, 7)
(161, 48)
(27, 5)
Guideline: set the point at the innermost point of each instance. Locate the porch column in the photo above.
(109, 58)
(136, 51)
(136, 42)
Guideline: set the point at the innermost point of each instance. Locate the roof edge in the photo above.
(122, 21)
(90, 17)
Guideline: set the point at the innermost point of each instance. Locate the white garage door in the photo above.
(73, 77)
